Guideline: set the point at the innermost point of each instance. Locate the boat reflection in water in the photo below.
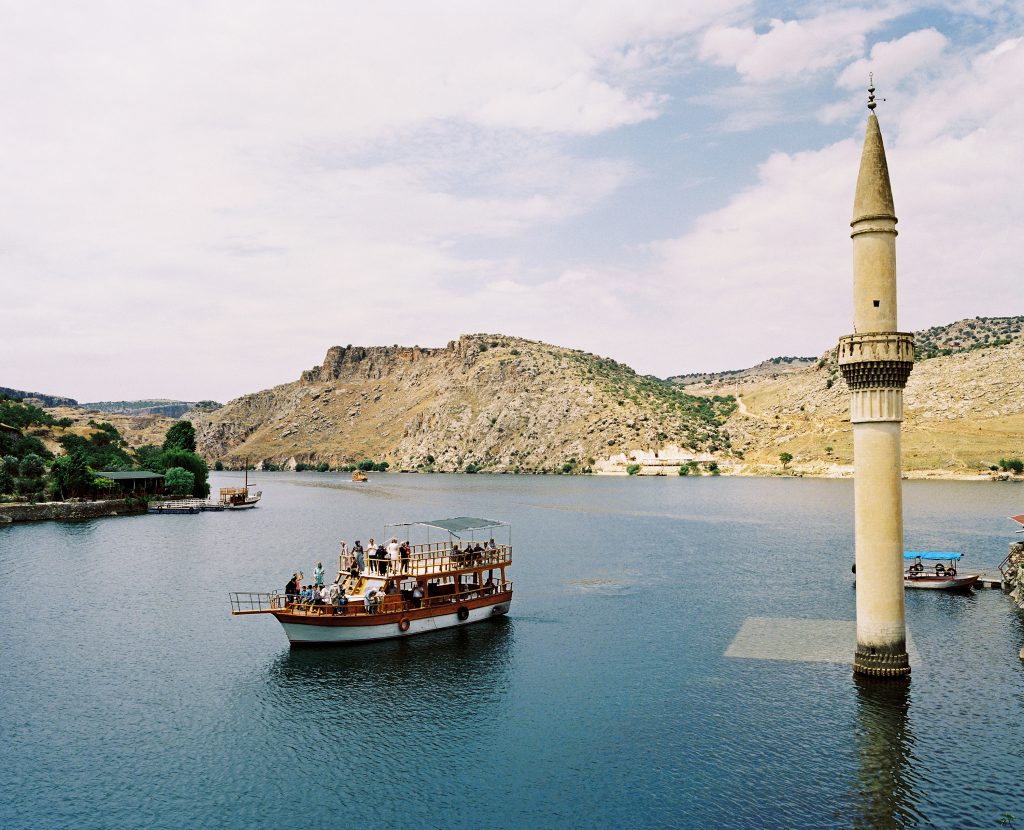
(453, 676)
(885, 792)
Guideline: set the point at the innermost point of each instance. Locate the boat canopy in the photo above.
(1018, 519)
(932, 555)
(458, 524)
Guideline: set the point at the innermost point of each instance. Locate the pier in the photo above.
(184, 506)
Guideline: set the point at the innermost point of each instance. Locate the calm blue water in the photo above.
(129, 696)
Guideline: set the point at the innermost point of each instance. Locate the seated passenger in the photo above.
(370, 602)
(341, 601)
(417, 596)
(488, 585)
(491, 545)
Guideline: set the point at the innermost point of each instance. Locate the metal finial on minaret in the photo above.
(871, 92)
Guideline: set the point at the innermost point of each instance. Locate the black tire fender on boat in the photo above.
(463, 613)
(403, 624)
(940, 569)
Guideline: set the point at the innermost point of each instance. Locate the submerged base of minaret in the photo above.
(885, 662)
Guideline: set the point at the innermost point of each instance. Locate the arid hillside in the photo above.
(963, 412)
(486, 402)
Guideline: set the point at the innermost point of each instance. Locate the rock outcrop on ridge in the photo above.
(487, 402)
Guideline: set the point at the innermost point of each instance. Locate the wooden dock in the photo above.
(183, 506)
(989, 580)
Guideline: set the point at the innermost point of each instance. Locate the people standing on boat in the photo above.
(318, 575)
(417, 596)
(393, 555)
(359, 555)
(456, 554)
(382, 560)
(343, 558)
(291, 590)
(405, 552)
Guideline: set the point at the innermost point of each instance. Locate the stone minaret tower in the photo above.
(875, 361)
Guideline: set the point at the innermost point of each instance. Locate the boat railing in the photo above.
(255, 602)
(388, 604)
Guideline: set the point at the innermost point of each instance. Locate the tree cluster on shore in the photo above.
(31, 472)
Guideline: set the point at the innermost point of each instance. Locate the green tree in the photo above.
(31, 466)
(194, 464)
(149, 457)
(366, 465)
(684, 470)
(71, 476)
(181, 436)
(6, 480)
(632, 469)
(323, 467)
(785, 458)
(218, 466)
(179, 482)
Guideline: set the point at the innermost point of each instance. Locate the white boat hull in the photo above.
(301, 633)
(941, 583)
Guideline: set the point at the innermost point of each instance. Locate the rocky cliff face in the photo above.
(498, 403)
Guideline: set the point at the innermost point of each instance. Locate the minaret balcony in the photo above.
(876, 360)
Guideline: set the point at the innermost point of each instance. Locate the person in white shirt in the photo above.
(393, 555)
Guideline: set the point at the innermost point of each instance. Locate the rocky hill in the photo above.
(487, 402)
(156, 406)
(963, 412)
(966, 335)
(765, 370)
(37, 398)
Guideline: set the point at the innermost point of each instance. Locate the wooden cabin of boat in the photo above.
(439, 584)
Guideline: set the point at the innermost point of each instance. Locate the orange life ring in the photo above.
(403, 624)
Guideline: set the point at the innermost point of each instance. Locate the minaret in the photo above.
(875, 361)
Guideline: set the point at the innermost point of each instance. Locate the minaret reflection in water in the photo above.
(884, 792)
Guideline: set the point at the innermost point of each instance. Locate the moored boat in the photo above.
(935, 570)
(429, 586)
(359, 475)
(239, 498)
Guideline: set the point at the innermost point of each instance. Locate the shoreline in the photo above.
(67, 511)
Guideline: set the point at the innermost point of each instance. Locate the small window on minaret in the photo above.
(877, 303)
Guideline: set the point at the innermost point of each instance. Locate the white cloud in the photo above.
(791, 48)
(892, 60)
(183, 173)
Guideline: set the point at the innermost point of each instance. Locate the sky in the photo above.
(199, 198)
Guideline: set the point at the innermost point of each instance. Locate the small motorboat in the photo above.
(359, 475)
(935, 570)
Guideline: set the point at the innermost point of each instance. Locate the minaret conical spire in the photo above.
(874, 193)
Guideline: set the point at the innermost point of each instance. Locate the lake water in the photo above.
(129, 697)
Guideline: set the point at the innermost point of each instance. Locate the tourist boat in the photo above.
(1019, 520)
(239, 498)
(935, 570)
(359, 475)
(459, 580)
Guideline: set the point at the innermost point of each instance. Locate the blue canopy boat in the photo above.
(935, 570)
